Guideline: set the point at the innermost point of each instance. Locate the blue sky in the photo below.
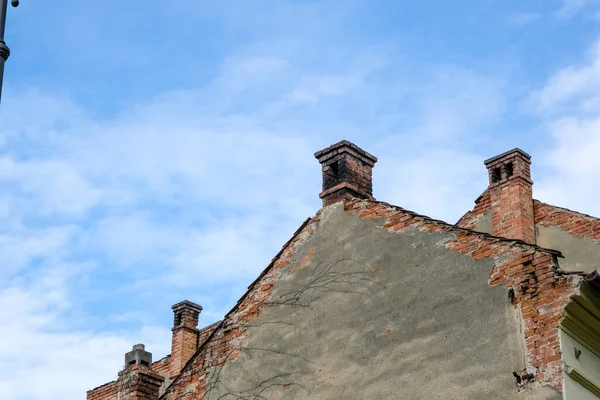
(152, 152)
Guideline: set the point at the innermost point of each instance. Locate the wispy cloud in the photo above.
(570, 106)
(570, 8)
(575, 85)
(41, 344)
(523, 19)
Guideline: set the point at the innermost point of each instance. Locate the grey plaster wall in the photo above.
(379, 315)
(484, 223)
(581, 253)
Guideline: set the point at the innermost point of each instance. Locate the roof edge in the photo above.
(567, 210)
(235, 307)
(344, 145)
(471, 231)
(507, 153)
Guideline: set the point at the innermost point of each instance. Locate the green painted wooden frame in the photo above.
(584, 381)
(581, 318)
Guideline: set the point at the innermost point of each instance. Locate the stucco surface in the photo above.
(484, 223)
(581, 253)
(377, 315)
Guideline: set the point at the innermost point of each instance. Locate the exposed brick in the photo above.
(515, 263)
(575, 223)
(540, 303)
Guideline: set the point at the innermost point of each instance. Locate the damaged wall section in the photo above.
(380, 302)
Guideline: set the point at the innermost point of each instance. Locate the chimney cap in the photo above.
(514, 151)
(344, 146)
(187, 305)
(138, 356)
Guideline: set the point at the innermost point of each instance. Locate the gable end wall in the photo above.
(530, 275)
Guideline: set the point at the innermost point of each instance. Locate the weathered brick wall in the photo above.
(576, 235)
(134, 383)
(107, 391)
(162, 366)
(574, 223)
(139, 383)
(539, 291)
(471, 219)
(531, 276)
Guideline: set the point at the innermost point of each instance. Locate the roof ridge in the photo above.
(469, 212)
(567, 209)
(458, 228)
(465, 215)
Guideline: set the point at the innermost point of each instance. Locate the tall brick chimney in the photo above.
(511, 195)
(347, 172)
(137, 381)
(185, 334)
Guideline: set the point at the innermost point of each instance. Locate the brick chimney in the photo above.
(137, 381)
(511, 195)
(347, 172)
(185, 334)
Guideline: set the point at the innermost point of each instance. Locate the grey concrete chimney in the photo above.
(138, 356)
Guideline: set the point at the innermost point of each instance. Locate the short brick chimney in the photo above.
(137, 381)
(185, 334)
(511, 195)
(347, 172)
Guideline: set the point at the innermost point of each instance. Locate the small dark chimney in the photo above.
(138, 356)
(347, 172)
(511, 195)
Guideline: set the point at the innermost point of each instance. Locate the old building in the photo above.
(371, 301)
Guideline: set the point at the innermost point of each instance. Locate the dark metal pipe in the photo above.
(4, 50)
(3, 6)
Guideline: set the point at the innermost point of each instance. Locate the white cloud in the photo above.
(570, 108)
(20, 246)
(39, 344)
(52, 186)
(575, 164)
(196, 188)
(439, 183)
(456, 100)
(573, 85)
